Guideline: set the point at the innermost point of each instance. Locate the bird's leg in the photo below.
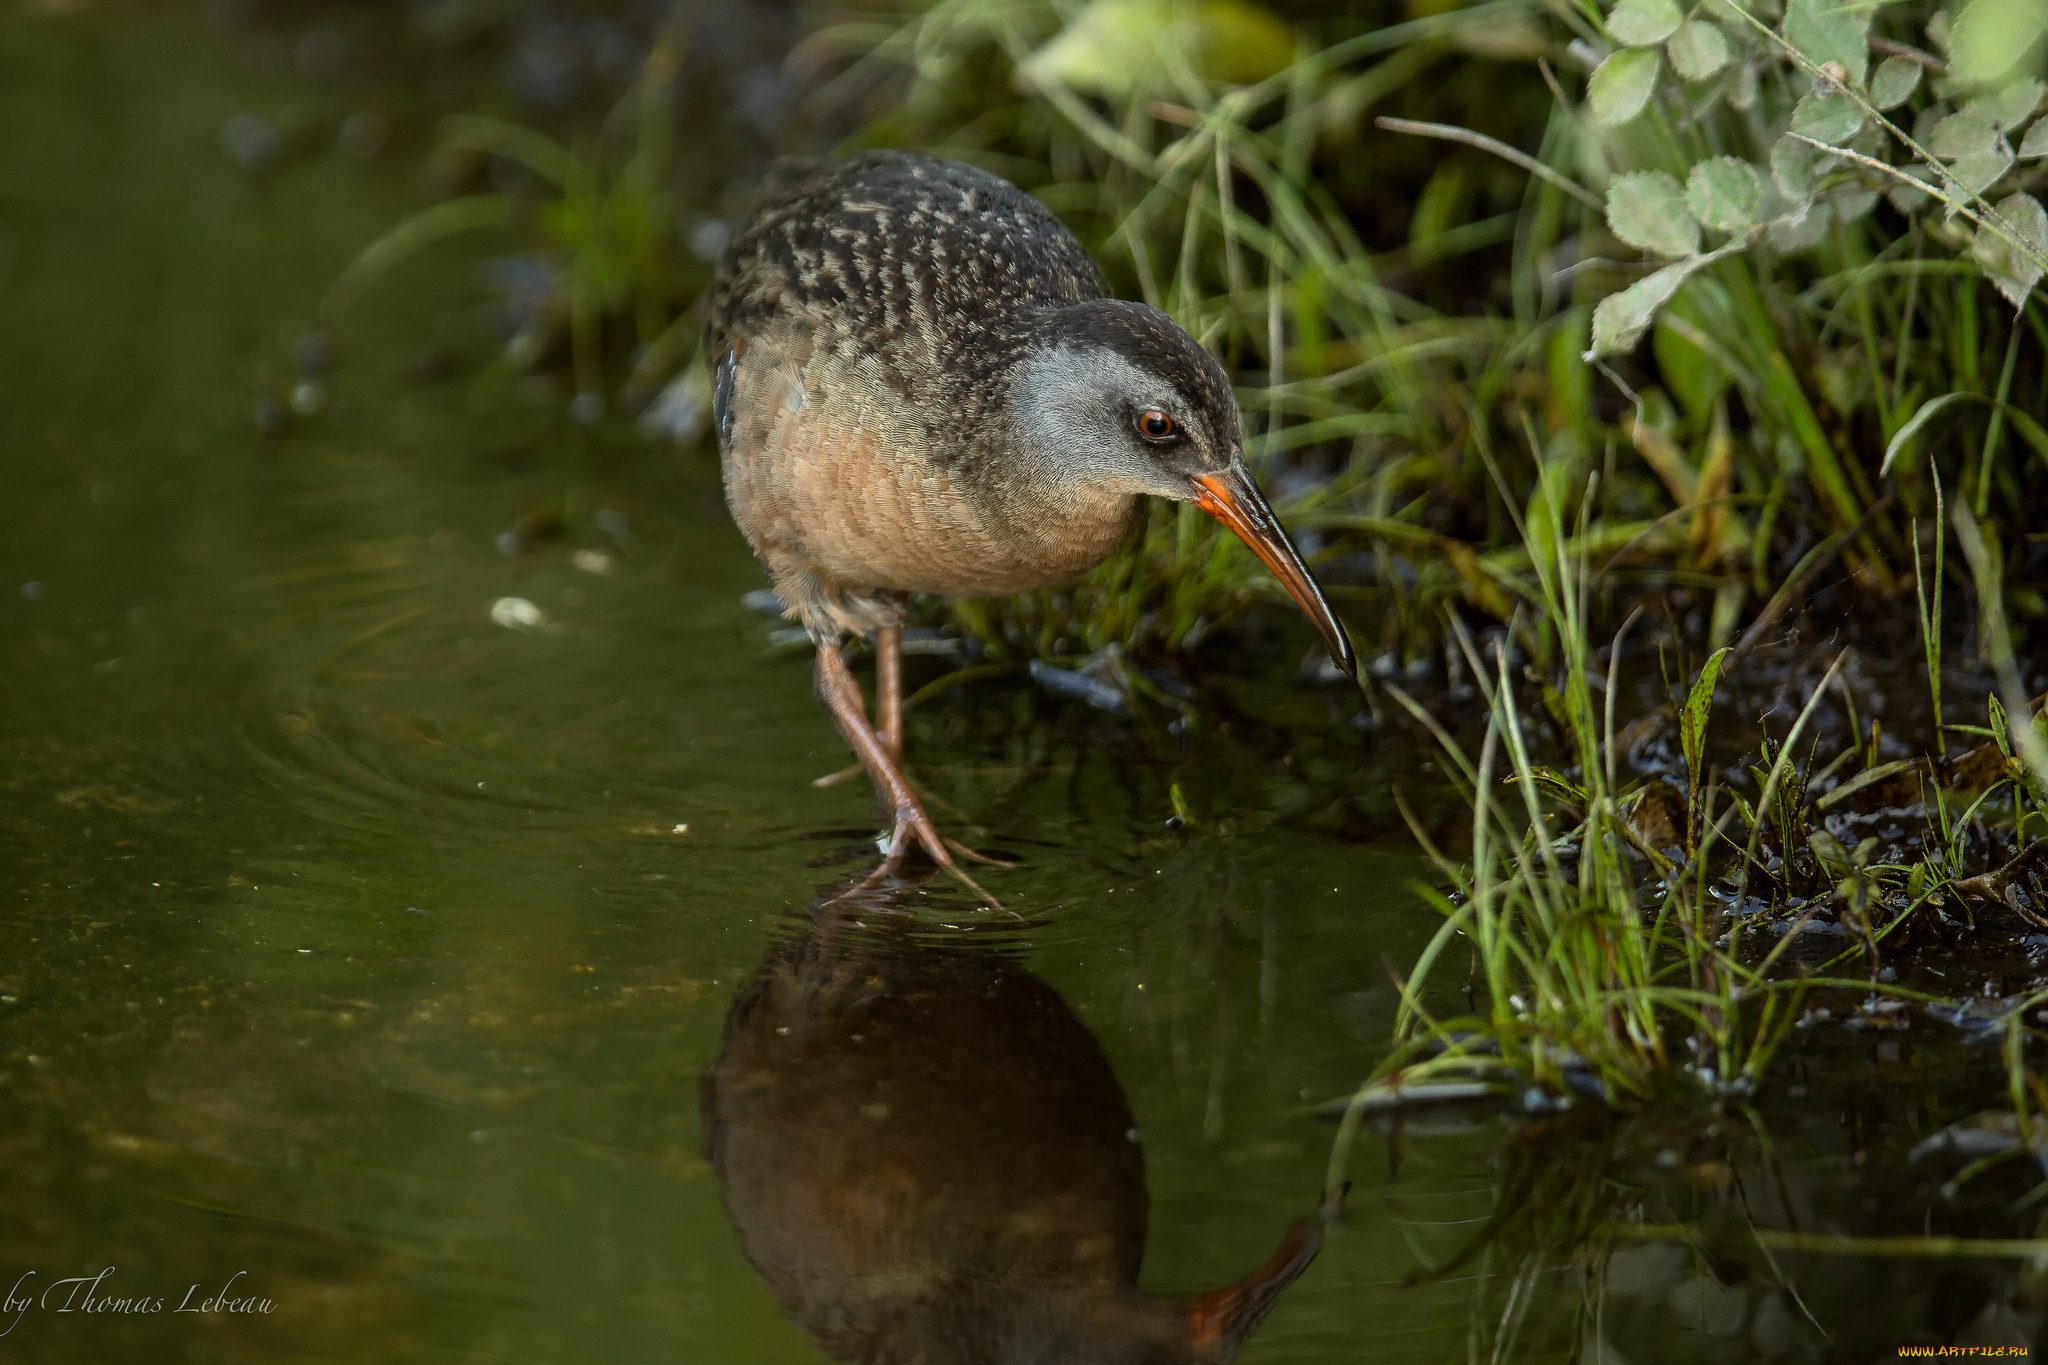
(888, 702)
(841, 695)
(889, 711)
(889, 689)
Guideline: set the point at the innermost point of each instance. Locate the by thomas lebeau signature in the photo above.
(92, 1294)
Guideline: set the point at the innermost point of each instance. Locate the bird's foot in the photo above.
(841, 695)
(983, 858)
(914, 828)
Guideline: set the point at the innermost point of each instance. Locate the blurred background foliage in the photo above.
(1455, 255)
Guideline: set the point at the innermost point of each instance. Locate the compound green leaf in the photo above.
(1832, 119)
(1989, 36)
(2015, 104)
(1647, 210)
(1894, 82)
(1697, 50)
(1639, 23)
(1621, 319)
(1727, 194)
(1959, 135)
(1979, 171)
(1792, 166)
(1827, 31)
(1623, 84)
(2005, 263)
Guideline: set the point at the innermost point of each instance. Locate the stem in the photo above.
(1997, 428)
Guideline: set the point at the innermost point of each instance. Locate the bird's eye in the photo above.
(1155, 425)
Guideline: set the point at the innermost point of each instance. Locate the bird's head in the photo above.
(1118, 398)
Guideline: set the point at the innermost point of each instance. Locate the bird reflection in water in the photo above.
(928, 1161)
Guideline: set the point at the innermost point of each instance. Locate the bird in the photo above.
(928, 1160)
(921, 385)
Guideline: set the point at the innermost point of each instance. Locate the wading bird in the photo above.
(921, 386)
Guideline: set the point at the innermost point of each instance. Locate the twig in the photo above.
(1550, 79)
(1451, 133)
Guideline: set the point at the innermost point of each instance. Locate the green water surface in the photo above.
(371, 950)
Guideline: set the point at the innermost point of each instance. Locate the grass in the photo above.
(1599, 906)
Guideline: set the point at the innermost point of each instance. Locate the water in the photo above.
(370, 949)
(369, 937)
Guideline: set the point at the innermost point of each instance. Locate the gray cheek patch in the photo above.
(1072, 403)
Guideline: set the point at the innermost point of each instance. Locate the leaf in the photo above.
(1640, 23)
(1832, 119)
(1621, 319)
(1903, 437)
(1697, 50)
(409, 236)
(1830, 31)
(1829, 849)
(1981, 170)
(2016, 103)
(2035, 435)
(1242, 43)
(1903, 196)
(1558, 785)
(1622, 85)
(1851, 205)
(1127, 47)
(1989, 36)
(1726, 194)
(2005, 264)
(1647, 210)
(1894, 82)
(1692, 721)
(2036, 144)
(1959, 135)
(1792, 163)
(1796, 231)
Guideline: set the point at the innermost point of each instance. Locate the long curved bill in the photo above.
(1222, 1320)
(1233, 499)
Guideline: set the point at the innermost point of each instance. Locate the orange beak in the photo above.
(1219, 1322)
(1233, 499)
